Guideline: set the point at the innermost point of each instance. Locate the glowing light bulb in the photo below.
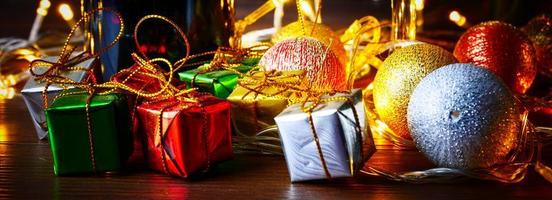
(457, 18)
(419, 5)
(308, 10)
(66, 12)
(43, 7)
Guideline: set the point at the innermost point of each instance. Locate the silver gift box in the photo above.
(340, 140)
(32, 93)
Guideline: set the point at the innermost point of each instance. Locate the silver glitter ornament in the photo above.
(462, 116)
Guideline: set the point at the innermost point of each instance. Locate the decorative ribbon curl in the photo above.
(241, 25)
(66, 63)
(229, 58)
(184, 98)
(364, 35)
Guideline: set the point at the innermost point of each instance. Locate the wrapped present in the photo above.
(330, 141)
(218, 82)
(259, 97)
(136, 78)
(33, 91)
(183, 137)
(88, 137)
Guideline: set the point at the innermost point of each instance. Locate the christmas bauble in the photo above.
(321, 32)
(397, 78)
(463, 116)
(539, 30)
(322, 66)
(502, 49)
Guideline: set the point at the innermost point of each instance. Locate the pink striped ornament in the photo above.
(322, 66)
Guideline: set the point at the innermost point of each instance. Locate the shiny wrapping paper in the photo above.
(72, 151)
(220, 83)
(193, 136)
(343, 147)
(32, 94)
(253, 112)
(142, 83)
(137, 81)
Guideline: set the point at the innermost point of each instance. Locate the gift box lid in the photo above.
(241, 93)
(212, 76)
(33, 86)
(209, 77)
(323, 109)
(77, 101)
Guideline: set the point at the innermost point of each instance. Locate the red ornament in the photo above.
(322, 66)
(539, 30)
(502, 49)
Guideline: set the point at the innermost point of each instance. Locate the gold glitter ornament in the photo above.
(322, 67)
(398, 76)
(321, 32)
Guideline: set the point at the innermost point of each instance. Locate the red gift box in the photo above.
(133, 78)
(193, 136)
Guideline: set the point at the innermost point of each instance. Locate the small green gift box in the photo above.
(220, 83)
(82, 145)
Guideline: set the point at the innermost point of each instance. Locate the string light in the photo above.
(66, 12)
(43, 7)
(41, 12)
(457, 18)
(308, 10)
(419, 7)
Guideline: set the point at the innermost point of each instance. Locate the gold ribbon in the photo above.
(315, 102)
(65, 62)
(230, 59)
(241, 25)
(186, 98)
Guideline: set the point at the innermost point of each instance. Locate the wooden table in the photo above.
(26, 172)
(26, 165)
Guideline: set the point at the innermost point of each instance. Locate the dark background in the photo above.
(16, 16)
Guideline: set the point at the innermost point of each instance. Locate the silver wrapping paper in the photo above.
(32, 94)
(340, 140)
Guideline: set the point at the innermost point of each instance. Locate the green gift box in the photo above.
(220, 83)
(75, 149)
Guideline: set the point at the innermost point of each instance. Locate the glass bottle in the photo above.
(207, 24)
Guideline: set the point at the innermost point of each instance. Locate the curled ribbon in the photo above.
(184, 98)
(65, 63)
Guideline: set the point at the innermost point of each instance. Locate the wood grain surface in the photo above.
(26, 166)
(26, 172)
